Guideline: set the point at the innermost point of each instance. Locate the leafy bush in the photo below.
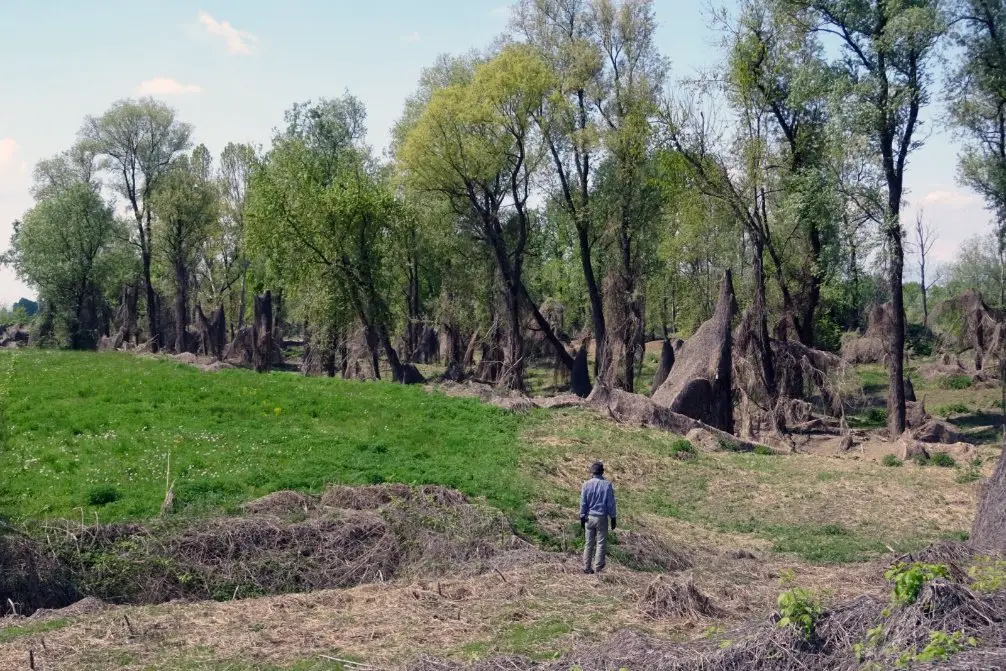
(920, 339)
(102, 495)
(799, 608)
(952, 409)
(920, 459)
(940, 648)
(956, 382)
(764, 450)
(909, 579)
(988, 574)
(891, 461)
(827, 334)
(682, 449)
(943, 460)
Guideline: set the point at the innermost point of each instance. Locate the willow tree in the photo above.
(476, 144)
(138, 140)
(322, 211)
(888, 54)
(187, 206)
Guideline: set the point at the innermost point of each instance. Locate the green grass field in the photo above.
(93, 434)
(100, 429)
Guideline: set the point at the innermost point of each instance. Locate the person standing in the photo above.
(597, 507)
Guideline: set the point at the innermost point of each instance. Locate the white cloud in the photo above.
(953, 198)
(237, 41)
(165, 86)
(412, 38)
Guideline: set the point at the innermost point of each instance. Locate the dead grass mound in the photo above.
(943, 606)
(281, 504)
(30, 577)
(644, 551)
(676, 598)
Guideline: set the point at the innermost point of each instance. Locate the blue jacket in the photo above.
(597, 498)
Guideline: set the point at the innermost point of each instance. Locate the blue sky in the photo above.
(232, 67)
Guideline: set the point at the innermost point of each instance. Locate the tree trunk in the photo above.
(512, 375)
(262, 333)
(154, 335)
(896, 359)
(594, 292)
(761, 323)
(181, 314)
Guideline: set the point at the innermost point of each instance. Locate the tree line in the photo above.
(556, 187)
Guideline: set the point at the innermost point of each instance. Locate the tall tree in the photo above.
(925, 238)
(138, 140)
(187, 204)
(62, 247)
(775, 65)
(888, 56)
(976, 89)
(476, 145)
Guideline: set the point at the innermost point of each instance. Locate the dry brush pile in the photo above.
(287, 542)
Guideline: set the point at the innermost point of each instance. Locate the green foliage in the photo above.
(682, 449)
(891, 461)
(920, 340)
(908, 579)
(955, 382)
(988, 574)
(63, 246)
(799, 608)
(764, 450)
(943, 460)
(952, 409)
(941, 647)
(102, 495)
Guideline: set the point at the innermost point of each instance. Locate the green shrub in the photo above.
(920, 459)
(957, 382)
(891, 461)
(102, 495)
(952, 409)
(941, 647)
(988, 574)
(764, 450)
(827, 334)
(909, 579)
(799, 608)
(943, 460)
(919, 339)
(682, 449)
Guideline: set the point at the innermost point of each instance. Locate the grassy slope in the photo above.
(84, 421)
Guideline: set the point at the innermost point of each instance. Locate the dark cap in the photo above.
(597, 468)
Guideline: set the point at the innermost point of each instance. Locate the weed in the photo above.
(955, 382)
(940, 648)
(943, 460)
(102, 495)
(971, 473)
(682, 449)
(952, 409)
(800, 608)
(909, 579)
(891, 461)
(987, 574)
(764, 451)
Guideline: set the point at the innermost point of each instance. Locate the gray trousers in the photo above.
(596, 548)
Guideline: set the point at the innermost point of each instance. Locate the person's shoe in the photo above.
(588, 571)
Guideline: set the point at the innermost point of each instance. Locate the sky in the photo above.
(231, 67)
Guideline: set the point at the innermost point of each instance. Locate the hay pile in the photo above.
(677, 598)
(287, 542)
